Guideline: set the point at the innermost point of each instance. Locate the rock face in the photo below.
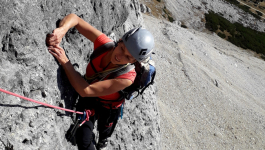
(191, 13)
(145, 9)
(26, 68)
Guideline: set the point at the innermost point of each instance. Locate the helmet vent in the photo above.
(131, 33)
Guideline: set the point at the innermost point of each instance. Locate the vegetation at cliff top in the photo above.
(244, 7)
(239, 35)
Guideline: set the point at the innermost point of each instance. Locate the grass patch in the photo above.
(235, 2)
(241, 36)
(263, 57)
(170, 19)
(259, 13)
(168, 14)
(261, 7)
(221, 35)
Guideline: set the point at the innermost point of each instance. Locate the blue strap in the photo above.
(82, 117)
(121, 114)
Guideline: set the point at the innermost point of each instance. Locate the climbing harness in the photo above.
(77, 124)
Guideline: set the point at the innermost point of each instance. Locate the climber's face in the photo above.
(121, 55)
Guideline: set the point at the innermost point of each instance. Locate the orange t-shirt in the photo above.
(102, 39)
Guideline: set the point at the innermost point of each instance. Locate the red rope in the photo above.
(32, 100)
(88, 113)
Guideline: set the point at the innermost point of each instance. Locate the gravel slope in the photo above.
(210, 93)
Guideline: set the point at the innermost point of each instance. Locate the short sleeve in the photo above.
(100, 40)
(130, 75)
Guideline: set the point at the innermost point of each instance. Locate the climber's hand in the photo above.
(56, 37)
(58, 53)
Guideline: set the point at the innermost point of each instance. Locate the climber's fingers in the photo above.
(58, 53)
(55, 37)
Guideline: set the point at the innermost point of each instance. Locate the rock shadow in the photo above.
(26, 107)
(8, 145)
(68, 93)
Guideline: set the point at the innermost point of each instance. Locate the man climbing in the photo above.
(100, 96)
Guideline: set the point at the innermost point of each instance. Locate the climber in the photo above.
(135, 45)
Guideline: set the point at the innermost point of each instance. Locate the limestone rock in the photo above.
(143, 8)
(29, 70)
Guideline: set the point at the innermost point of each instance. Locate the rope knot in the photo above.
(87, 114)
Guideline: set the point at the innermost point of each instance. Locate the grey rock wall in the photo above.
(26, 68)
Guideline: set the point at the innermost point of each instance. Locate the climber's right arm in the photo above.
(68, 22)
